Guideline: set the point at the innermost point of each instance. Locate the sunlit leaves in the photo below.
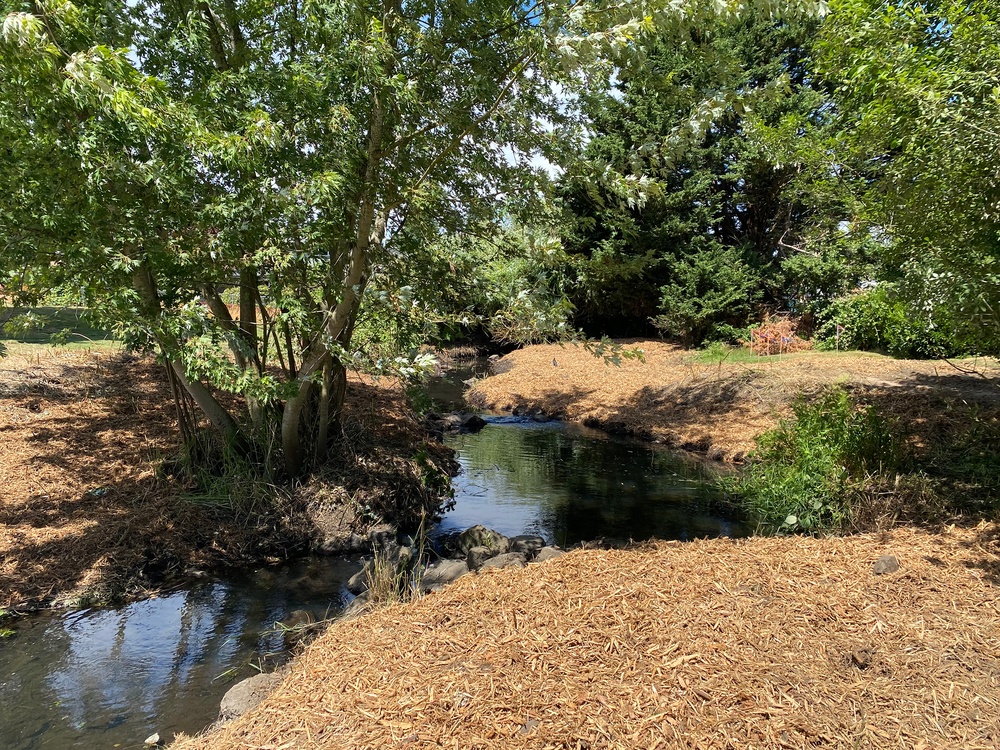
(917, 92)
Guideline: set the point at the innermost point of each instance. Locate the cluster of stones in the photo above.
(457, 422)
(474, 550)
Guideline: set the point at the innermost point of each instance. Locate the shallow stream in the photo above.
(109, 678)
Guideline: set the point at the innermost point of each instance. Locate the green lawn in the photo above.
(45, 325)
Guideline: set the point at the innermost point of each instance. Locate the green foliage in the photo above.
(507, 284)
(838, 465)
(878, 320)
(711, 293)
(718, 352)
(165, 158)
(808, 473)
(917, 103)
(730, 202)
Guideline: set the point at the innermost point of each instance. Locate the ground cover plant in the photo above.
(838, 465)
(809, 472)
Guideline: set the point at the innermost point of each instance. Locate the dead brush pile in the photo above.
(787, 642)
(777, 336)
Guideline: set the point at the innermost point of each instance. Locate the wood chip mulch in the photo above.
(89, 512)
(758, 643)
(717, 409)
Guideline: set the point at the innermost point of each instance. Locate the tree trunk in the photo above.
(145, 285)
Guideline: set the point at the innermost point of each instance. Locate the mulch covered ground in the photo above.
(80, 432)
(89, 504)
(758, 643)
(718, 408)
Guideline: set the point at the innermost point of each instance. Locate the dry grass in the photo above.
(759, 643)
(718, 408)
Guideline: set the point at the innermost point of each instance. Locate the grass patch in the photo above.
(717, 354)
(50, 325)
(838, 465)
(395, 573)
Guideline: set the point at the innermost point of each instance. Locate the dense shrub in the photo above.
(875, 320)
(712, 293)
(807, 473)
(838, 465)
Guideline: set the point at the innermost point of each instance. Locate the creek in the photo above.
(108, 678)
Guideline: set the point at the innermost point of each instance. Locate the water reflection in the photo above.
(107, 678)
(570, 484)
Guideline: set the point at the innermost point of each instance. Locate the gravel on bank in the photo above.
(790, 642)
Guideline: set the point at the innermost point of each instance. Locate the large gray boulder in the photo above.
(477, 556)
(886, 564)
(460, 422)
(480, 536)
(527, 544)
(548, 553)
(440, 574)
(357, 607)
(506, 560)
(357, 584)
(245, 695)
(341, 544)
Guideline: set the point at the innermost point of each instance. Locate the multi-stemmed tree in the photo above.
(224, 178)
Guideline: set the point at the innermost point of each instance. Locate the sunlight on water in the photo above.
(101, 678)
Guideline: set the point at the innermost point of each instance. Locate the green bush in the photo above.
(509, 286)
(807, 473)
(876, 321)
(712, 294)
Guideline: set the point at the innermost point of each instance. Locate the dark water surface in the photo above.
(109, 678)
(570, 484)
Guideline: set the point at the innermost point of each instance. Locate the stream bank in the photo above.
(716, 407)
(761, 642)
(545, 482)
(94, 508)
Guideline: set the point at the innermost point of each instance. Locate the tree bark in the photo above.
(145, 285)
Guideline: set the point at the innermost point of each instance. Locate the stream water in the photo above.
(109, 678)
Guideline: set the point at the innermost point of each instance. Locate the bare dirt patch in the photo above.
(87, 508)
(718, 408)
(767, 642)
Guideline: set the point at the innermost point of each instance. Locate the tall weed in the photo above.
(807, 473)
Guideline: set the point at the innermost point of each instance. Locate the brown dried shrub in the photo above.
(776, 336)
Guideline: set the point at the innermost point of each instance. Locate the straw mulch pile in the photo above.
(759, 643)
(717, 409)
